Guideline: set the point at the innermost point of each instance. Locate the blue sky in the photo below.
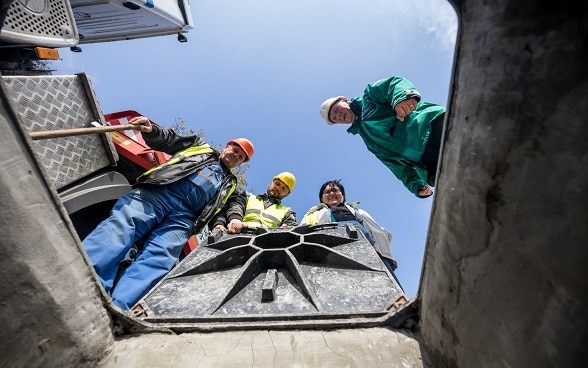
(260, 69)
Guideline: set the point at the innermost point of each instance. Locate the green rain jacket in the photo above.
(397, 144)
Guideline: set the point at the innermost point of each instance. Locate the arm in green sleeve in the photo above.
(391, 91)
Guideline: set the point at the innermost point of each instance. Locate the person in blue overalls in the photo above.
(168, 204)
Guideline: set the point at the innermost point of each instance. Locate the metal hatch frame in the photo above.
(320, 276)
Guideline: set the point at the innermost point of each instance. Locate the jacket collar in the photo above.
(266, 197)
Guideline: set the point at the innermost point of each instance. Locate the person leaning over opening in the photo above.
(247, 210)
(401, 130)
(168, 204)
(333, 208)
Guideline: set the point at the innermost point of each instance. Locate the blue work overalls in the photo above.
(165, 215)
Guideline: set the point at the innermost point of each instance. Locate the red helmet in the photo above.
(245, 145)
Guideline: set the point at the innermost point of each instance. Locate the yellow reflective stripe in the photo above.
(267, 217)
(181, 156)
(263, 215)
(226, 198)
(311, 218)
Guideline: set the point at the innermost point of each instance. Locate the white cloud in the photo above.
(440, 20)
(436, 17)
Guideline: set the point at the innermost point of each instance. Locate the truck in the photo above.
(103, 21)
(89, 172)
(32, 32)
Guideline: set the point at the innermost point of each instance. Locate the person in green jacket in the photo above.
(401, 130)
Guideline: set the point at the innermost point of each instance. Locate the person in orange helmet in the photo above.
(247, 210)
(167, 205)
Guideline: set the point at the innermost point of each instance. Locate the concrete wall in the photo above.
(51, 314)
(353, 348)
(504, 281)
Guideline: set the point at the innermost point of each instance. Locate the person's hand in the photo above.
(219, 227)
(425, 191)
(403, 108)
(235, 226)
(141, 123)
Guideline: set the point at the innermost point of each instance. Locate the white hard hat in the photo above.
(326, 107)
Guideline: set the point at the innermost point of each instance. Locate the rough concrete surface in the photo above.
(51, 313)
(374, 347)
(504, 280)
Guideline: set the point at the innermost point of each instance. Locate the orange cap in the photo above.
(245, 145)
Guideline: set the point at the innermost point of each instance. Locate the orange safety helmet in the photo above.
(245, 145)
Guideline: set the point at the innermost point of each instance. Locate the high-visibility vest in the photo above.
(179, 157)
(258, 216)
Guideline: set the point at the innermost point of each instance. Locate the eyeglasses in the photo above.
(332, 190)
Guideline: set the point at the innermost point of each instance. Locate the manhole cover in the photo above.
(307, 275)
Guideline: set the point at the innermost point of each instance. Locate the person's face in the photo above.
(278, 189)
(332, 195)
(232, 156)
(341, 112)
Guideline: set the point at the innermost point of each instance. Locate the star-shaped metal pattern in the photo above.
(288, 277)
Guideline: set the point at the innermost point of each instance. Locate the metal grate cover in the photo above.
(61, 102)
(40, 22)
(313, 276)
